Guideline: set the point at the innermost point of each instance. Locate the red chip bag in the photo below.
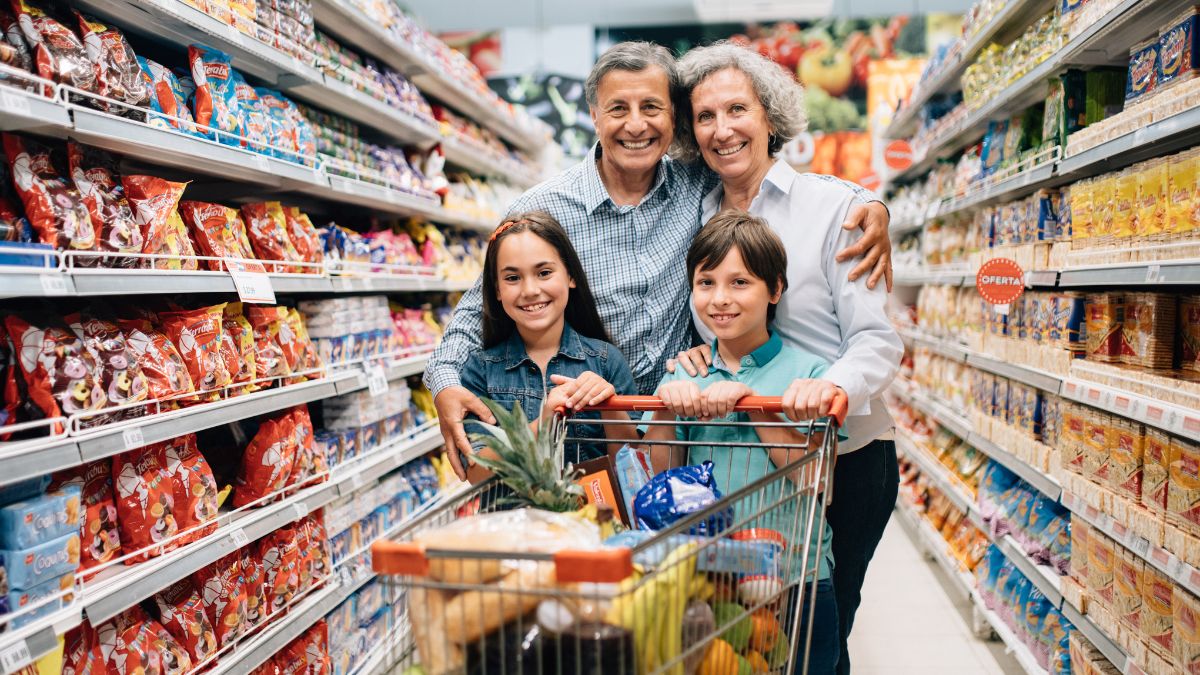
(252, 584)
(119, 75)
(58, 53)
(53, 205)
(145, 648)
(119, 372)
(193, 487)
(99, 534)
(197, 334)
(307, 464)
(145, 501)
(94, 173)
(271, 359)
(310, 360)
(266, 227)
(322, 562)
(270, 667)
(218, 230)
(166, 374)
(59, 370)
(181, 612)
(241, 338)
(220, 586)
(81, 652)
(289, 343)
(281, 560)
(267, 462)
(303, 236)
(309, 653)
(154, 202)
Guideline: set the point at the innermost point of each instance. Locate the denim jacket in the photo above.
(507, 375)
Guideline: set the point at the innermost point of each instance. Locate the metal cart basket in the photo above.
(719, 591)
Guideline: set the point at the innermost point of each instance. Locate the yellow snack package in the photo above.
(1152, 198)
(1124, 205)
(1182, 175)
(1082, 226)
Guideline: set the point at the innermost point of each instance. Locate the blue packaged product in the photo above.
(370, 601)
(214, 102)
(350, 447)
(32, 566)
(328, 445)
(680, 492)
(369, 436)
(39, 519)
(254, 119)
(339, 546)
(992, 155)
(19, 601)
(306, 140)
(278, 130)
(719, 556)
(1179, 48)
(633, 472)
(24, 489)
(1142, 79)
(168, 97)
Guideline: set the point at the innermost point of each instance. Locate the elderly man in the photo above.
(631, 213)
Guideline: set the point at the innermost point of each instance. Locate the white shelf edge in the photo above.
(1160, 414)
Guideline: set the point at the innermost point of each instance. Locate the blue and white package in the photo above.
(680, 492)
(20, 600)
(633, 472)
(719, 556)
(32, 566)
(30, 522)
(215, 102)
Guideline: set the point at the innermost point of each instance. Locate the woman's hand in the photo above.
(808, 399)
(682, 398)
(579, 392)
(695, 361)
(875, 247)
(720, 398)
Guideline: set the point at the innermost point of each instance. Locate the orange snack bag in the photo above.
(281, 560)
(145, 501)
(197, 334)
(193, 486)
(155, 202)
(267, 230)
(99, 534)
(166, 374)
(224, 597)
(267, 462)
(181, 612)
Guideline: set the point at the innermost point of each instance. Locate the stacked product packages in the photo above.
(353, 328)
(356, 424)
(39, 549)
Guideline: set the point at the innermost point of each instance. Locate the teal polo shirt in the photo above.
(768, 371)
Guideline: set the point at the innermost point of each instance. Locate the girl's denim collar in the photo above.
(571, 346)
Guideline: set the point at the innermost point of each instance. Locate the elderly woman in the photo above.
(738, 111)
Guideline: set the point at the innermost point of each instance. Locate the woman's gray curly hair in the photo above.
(780, 94)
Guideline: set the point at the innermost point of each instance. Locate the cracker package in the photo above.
(193, 486)
(267, 461)
(46, 561)
(221, 590)
(1157, 611)
(1128, 588)
(1101, 568)
(81, 652)
(1152, 199)
(255, 122)
(38, 519)
(1080, 535)
(1189, 334)
(270, 361)
(1125, 463)
(145, 502)
(95, 175)
(1148, 330)
(308, 464)
(181, 612)
(1185, 623)
(197, 334)
(1074, 435)
(1104, 314)
(1096, 458)
(1155, 467)
(52, 203)
(154, 201)
(1183, 487)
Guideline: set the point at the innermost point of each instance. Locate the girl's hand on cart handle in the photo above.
(683, 398)
(809, 399)
(587, 389)
(720, 398)
(453, 405)
(695, 361)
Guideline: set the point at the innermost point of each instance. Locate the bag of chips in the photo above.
(118, 371)
(167, 97)
(99, 534)
(253, 116)
(14, 226)
(58, 369)
(119, 75)
(281, 560)
(197, 334)
(166, 374)
(267, 462)
(181, 612)
(306, 140)
(81, 652)
(145, 502)
(194, 488)
(309, 357)
(220, 586)
(219, 231)
(309, 653)
(145, 647)
(94, 173)
(55, 208)
(303, 236)
(241, 334)
(252, 584)
(307, 464)
(267, 230)
(21, 56)
(273, 320)
(214, 103)
(322, 558)
(154, 201)
(58, 53)
(280, 133)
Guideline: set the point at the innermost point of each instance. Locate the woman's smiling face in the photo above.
(730, 124)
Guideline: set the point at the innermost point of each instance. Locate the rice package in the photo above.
(194, 488)
(54, 207)
(166, 374)
(154, 202)
(167, 97)
(224, 597)
(197, 334)
(181, 612)
(267, 462)
(58, 53)
(99, 534)
(267, 228)
(145, 501)
(95, 175)
(118, 72)
(215, 103)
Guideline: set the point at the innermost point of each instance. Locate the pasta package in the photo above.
(94, 173)
(215, 103)
(1126, 458)
(1157, 608)
(1104, 316)
(154, 201)
(1155, 470)
(53, 205)
(197, 334)
(1183, 486)
(1148, 330)
(1128, 589)
(181, 612)
(145, 502)
(194, 488)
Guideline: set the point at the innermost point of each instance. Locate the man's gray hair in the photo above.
(782, 97)
(634, 57)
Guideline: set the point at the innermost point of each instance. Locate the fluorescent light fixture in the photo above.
(724, 11)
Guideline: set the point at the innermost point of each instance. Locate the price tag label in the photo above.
(301, 509)
(1119, 530)
(14, 103)
(1002, 310)
(53, 284)
(261, 163)
(377, 381)
(15, 657)
(1121, 403)
(1161, 557)
(251, 281)
(1191, 424)
(318, 175)
(349, 187)
(1153, 272)
(391, 196)
(1141, 546)
(132, 438)
(1154, 413)
(239, 537)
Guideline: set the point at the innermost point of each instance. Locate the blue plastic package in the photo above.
(633, 472)
(254, 117)
(167, 96)
(20, 600)
(680, 492)
(215, 103)
(39, 519)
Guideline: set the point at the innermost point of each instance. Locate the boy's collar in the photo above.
(570, 346)
(757, 358)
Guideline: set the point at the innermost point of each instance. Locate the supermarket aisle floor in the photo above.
(913, 620)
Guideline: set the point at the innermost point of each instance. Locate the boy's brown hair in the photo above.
(761, 249)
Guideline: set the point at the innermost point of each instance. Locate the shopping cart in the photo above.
(718, 591)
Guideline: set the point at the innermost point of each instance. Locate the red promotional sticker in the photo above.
(1000, 281)
(898, 155)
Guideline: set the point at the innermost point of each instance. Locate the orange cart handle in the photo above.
(758, 404)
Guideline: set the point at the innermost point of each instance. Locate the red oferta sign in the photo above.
(1000, 281)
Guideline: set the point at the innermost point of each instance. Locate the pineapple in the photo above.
(530, 467)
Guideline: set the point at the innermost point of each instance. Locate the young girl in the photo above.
(544, 343)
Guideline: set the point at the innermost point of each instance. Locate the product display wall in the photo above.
(1049, 445)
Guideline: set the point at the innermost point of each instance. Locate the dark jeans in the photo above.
(823, 653)
(865, 483)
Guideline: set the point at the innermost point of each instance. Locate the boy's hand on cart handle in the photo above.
(720, 398)
(695, 361)
(682, 398)
(809, 399)
(587, 389)
(875, 246)
(453, 405)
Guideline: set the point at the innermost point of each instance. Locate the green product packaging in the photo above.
(1052, 117)
(1074, 85)
(1105, 93)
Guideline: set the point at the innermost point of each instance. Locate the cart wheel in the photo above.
(980, 627)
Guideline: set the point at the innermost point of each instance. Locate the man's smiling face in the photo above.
(634, 119)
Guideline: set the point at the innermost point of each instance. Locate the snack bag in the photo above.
(307, 464)
(320, 555)
(119, 75)
(193, 487)
(679, 492)
(59, 370)
(118, 371)
(220, 586)
(58, 53)
(166, 373)
(252, 584)
(218, 230)
(181, 611)
(303, 235)
(309, 358)
(241, 336)
(145, 502)
(54, 207)
(154, 201)
(285, 333)
(81, 652)
(309, 653)
(19, 56)
(268, 354)
(279, 133)
(215, 103)
(99, 535)
(167, 97)
(94, 173)
(281, 559)
(306, 140)
(253, 116)
(268, 233)
(198, 334)
(267, 462)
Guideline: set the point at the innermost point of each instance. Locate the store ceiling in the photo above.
(445, 15)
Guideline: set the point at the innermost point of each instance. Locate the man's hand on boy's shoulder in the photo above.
(695, 361)
(875, 246)
(807, 399)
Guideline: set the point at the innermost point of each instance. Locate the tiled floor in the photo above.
(912, 620)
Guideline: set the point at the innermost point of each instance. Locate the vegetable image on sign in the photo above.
(1000, 281)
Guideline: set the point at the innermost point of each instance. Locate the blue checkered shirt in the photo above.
(634, 258)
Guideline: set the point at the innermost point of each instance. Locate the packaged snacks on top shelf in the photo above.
(996, 67)
(370, 77)
(344, 153)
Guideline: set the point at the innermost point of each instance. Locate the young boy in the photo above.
(737, 267)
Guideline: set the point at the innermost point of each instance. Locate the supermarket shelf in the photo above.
(395, 370)
(947, 79)
(1168, 417)
(1183, 272)
(351, 26)
(899, 228)
(479, 161)
(1097, 637)
(945, 348)
(1044, 578)
(939, 474)
(25, 645)
(21, 110)
(1018, 649)
(921, 277)
(356, 106)
(920, 529)
(1174, 133)
(388, 655)
(1031, 376)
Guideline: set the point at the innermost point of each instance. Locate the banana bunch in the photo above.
(653, 611)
